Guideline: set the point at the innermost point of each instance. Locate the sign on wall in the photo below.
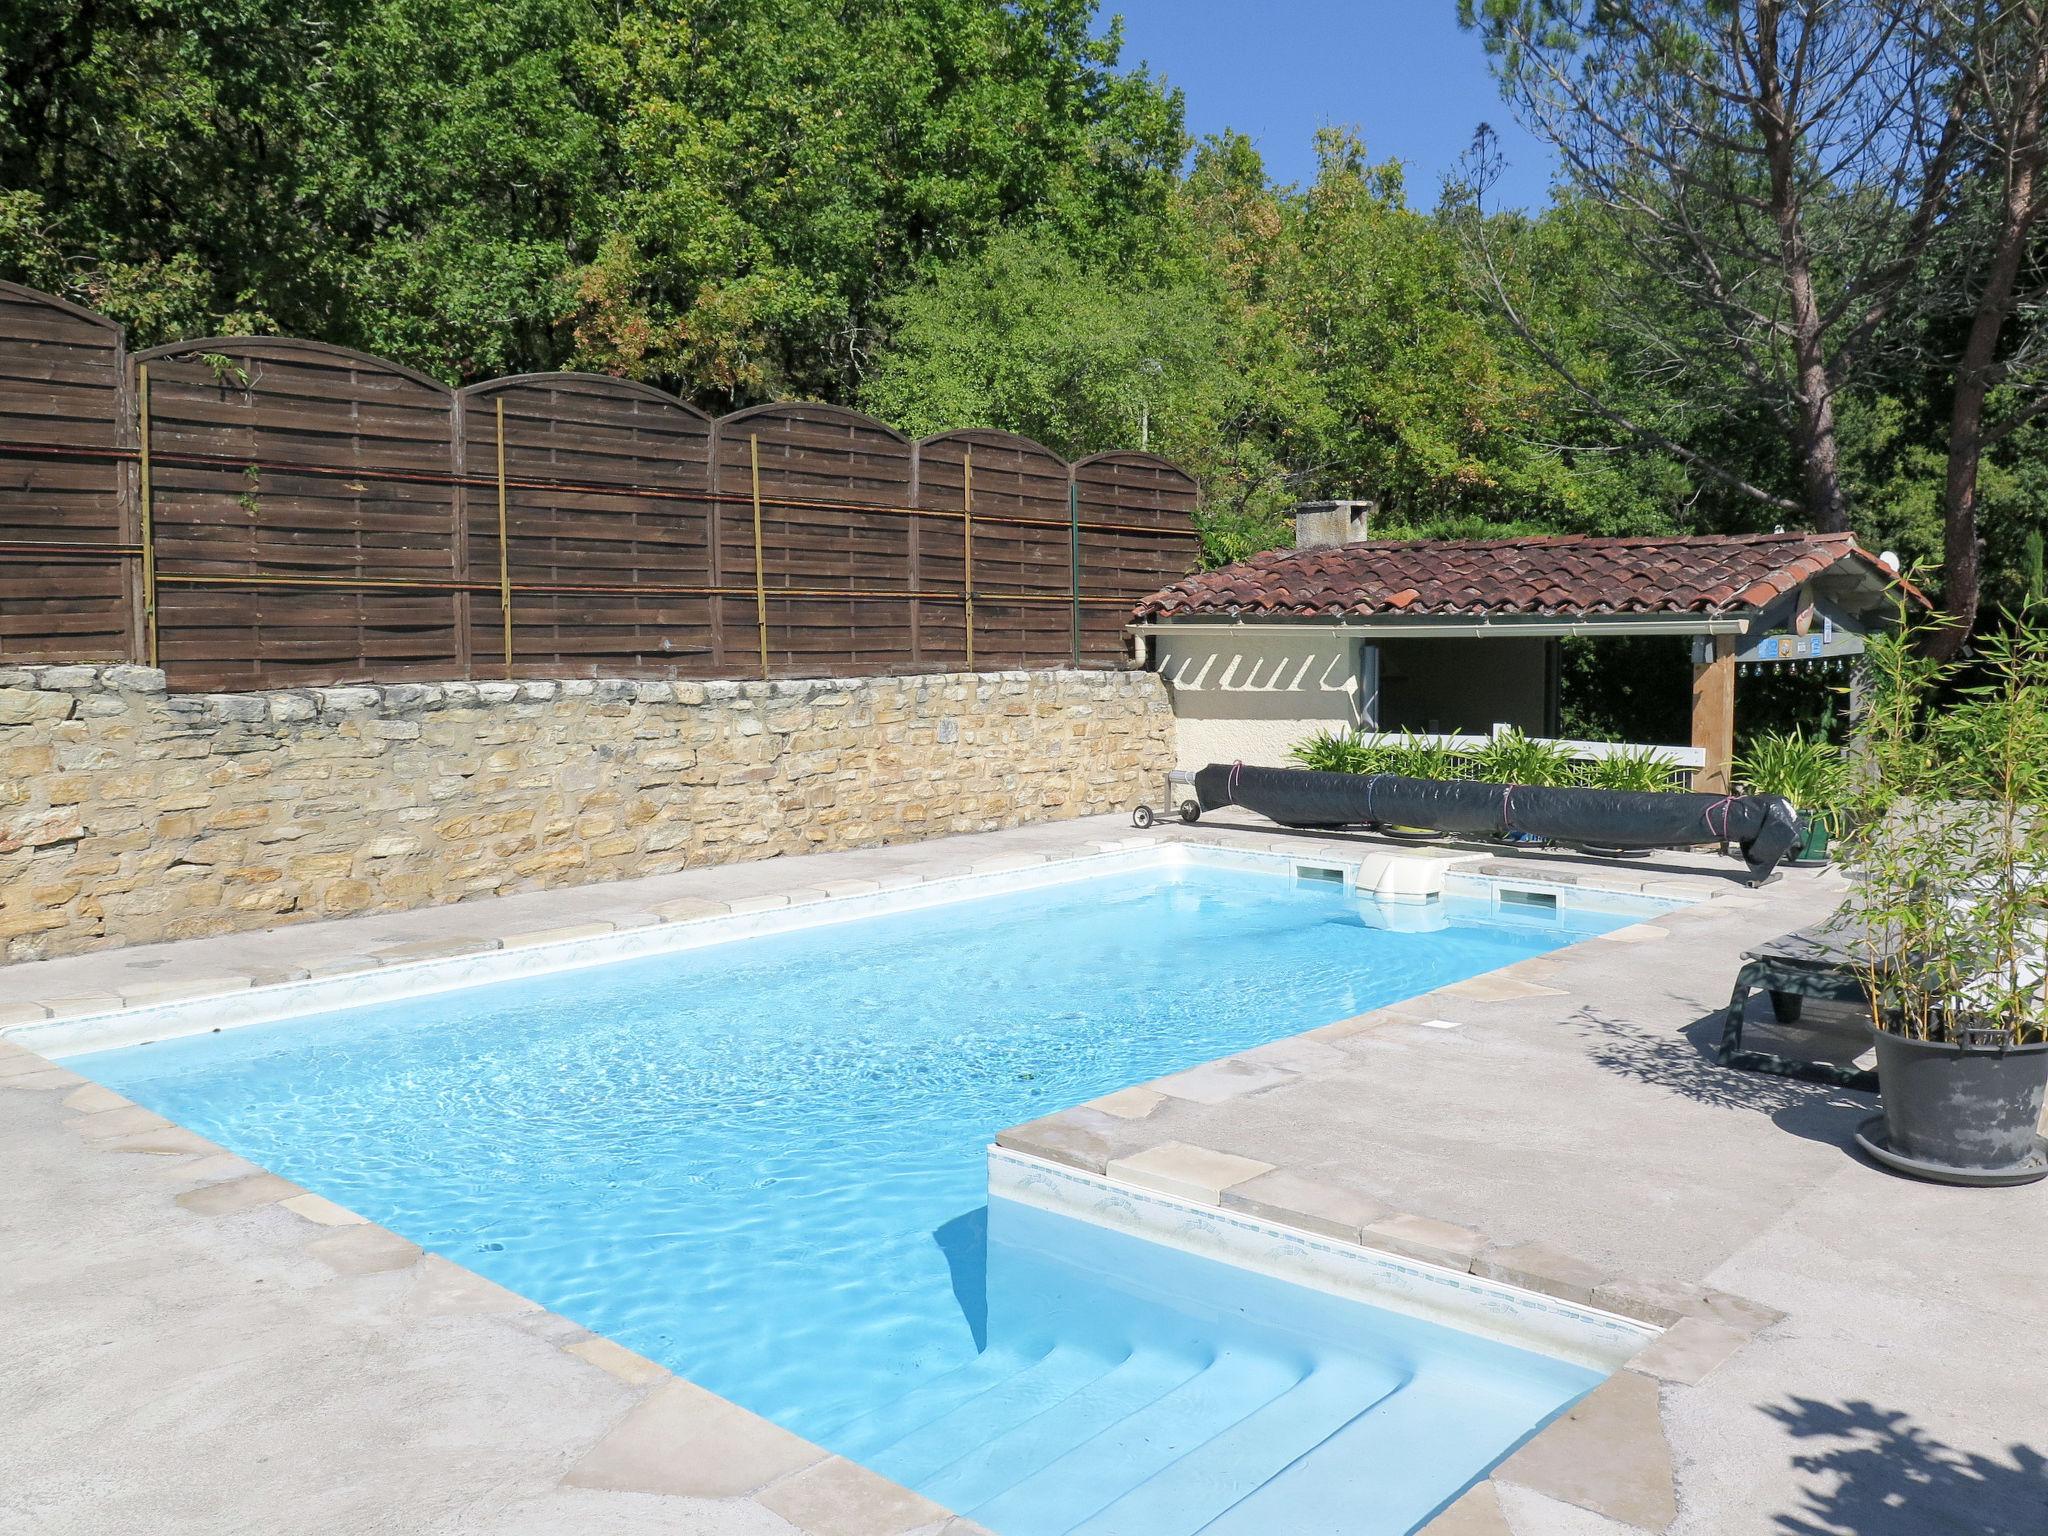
(1804, 628)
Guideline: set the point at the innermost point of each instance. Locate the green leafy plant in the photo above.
(1641, 769)
(1512, 758)
(1331, 752)
(1414, 758)
(226, 371)
(1811, 773)
(1947, 842)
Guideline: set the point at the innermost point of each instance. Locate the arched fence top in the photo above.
(594, 383)
(809, 410)
(990, 437)
(290, 349)
(35, 296)
(284, 512)
(1136, 458)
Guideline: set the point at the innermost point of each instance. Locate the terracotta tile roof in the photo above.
(1540, 577)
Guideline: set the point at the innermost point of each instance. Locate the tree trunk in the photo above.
(1976, 370)
(1819, 453)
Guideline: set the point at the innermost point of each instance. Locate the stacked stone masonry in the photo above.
(130, 815)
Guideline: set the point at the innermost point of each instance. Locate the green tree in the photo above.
(1283, 343)
(1808, 189)
(715, 197)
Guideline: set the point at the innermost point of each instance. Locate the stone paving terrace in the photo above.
(195, 1345)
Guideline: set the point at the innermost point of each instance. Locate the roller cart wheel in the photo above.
(1190, 811)
(1141, 818)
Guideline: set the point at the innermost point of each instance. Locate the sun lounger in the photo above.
(1812, 963)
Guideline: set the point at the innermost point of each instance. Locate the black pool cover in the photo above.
(1765, 827)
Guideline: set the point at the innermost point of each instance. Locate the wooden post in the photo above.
(504, 555)
(148, 503)
(760, 568)
(459, 601)
(1713, 715)
(1074, 562)
(967, 547)
(913, 552)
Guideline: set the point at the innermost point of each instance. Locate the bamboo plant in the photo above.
(1946, 843)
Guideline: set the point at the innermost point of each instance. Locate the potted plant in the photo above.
(1947, 846)
(1809, 772)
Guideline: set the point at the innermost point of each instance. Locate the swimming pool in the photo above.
(762, 1164)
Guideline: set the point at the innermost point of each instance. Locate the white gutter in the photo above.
(1429, 627)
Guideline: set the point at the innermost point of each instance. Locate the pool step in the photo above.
(1229, 1468)
(1059, 1494)
(1004, 1460)
(1170, 1439)
(929, 1402)
(1048, 1387)
(1397, 1439)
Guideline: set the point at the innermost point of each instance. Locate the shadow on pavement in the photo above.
(1684, 1064)
(1886, 1476)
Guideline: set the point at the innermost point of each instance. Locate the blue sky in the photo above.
(1399, 71)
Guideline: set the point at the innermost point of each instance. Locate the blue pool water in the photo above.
(762, 1164)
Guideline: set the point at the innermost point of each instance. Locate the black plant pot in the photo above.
(1961, 1114)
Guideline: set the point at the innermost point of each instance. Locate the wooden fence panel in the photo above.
(835, 549)
(319, 516)
(1023, 568)
(304, 515)
(1137, 535)
(67, 545)
(608, 514)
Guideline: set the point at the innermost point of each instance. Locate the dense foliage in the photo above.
(711, 195)
(951, 212)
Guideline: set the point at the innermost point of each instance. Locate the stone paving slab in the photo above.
(1192, 1173)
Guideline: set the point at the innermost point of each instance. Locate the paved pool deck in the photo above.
(195, 1345)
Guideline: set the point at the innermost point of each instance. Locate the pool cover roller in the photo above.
(1764, 827)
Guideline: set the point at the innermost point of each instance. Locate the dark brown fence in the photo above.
(260, 512)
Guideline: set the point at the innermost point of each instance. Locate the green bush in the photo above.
(1332, 752)
(1413, 758)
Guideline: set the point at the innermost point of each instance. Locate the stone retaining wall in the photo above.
(129, 815)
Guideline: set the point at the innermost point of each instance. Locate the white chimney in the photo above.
(1324, 524)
